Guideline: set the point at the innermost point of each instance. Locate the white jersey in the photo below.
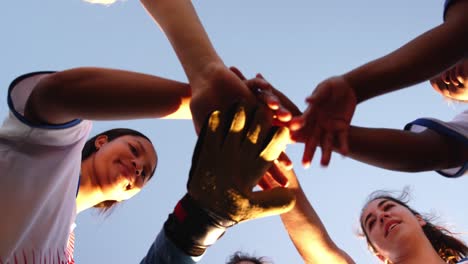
(39, 174)
(456, 129)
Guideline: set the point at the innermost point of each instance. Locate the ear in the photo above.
(100, 141)
(421, 221)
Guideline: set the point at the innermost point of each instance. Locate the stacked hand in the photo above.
(284, 110)
(453, 82)
(234, 150)
(219, 87)
(326, 120)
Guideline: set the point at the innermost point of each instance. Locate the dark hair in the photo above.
(90, 148)
(242, 256)
(449, 248)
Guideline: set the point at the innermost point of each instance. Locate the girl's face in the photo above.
(453, 83)
(123, 166)
(390, 227)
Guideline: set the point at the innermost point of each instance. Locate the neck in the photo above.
(88, 194)
(423, 253)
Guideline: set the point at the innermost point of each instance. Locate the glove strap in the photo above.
(193, 229)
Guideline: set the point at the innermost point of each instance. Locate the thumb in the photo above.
(237, 72)
(270, 202)
(321, 92)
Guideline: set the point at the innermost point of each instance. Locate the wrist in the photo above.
(193, 229)
(358, 89)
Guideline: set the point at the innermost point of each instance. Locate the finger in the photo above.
(271, 100)
(343, 141)
(237, 72)
(289, 108)
(435, 83)
(285, 161)
(460, 72)
(453, 90)
(310, 147)
(454, 78)
(276, 145)
(271, 202)
(283, 114)
(277, 122)
(326, 146)
(441, 87)
(277, 175)
(236, 122)
(263, 91)
(257, 128)
(208, 142)
(296, 123)
(445, 77)
(320, 93)
(264, 183)
(268, 182)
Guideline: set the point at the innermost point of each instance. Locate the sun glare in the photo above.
(102, 2)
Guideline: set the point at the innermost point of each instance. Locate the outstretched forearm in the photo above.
(405, 151)
(106, 94)
(418, 60)
(308, 233)
(183, 28)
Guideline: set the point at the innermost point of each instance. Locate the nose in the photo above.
(382, 216)
(138, 167)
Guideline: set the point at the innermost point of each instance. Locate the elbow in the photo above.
(43, 104)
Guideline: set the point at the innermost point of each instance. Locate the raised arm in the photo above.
(420, 59)
(106, 94)
(307, 231)
(332, 103)
(214, 86)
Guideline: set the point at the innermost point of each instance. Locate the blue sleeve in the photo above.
(23, 94)
(445, 131)
(163, 251)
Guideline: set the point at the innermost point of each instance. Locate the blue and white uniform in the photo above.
(39, 174)
(457, 129)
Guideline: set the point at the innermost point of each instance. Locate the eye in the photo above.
(388, 206)
(133, 149)
(371, 224)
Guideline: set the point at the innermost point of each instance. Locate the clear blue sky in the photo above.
(295, 44)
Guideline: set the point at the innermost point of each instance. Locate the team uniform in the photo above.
(39, 173)
(456, 129)
(39, 178)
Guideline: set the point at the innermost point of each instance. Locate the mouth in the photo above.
(390, 226)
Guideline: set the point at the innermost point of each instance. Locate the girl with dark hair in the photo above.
(395, 232)
(50, 172)
(391, 211)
